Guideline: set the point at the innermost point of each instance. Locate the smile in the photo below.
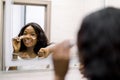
(28, 41)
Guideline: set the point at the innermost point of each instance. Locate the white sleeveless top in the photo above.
(45, 63)
(28, 67)
(19, 58)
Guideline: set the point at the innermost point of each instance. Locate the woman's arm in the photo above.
(45, 52)
(61, 57)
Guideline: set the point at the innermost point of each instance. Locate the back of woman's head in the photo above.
(98, 42)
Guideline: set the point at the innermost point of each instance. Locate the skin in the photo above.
(45, 52)
(61, 57)
(29, 38)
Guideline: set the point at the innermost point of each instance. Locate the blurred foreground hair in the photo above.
(98, 42)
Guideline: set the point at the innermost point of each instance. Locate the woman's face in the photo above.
(30, 37)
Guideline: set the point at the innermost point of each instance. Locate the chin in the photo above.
(29, 45)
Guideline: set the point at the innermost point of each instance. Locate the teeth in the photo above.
(27, 41)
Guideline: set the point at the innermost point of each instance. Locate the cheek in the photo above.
(23, 41)
(35, 42)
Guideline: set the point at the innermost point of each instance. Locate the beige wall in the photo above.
(115, 3)
(67, 15)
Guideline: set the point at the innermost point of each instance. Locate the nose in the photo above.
(28, 36)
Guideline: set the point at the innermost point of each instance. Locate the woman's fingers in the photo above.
(43, 52)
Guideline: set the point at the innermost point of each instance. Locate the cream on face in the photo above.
(29, 37)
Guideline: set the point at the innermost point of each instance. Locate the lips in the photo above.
(28, 41)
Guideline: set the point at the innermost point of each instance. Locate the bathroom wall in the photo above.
(67, 15)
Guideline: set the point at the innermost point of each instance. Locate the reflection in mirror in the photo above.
(22, 15)
(29, 41)
(26, 30)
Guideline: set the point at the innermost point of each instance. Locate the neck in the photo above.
(31, 52)
(30, 49)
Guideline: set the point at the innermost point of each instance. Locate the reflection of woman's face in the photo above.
(30, 37)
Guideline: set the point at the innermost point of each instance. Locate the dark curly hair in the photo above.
(98, 42)
(42, 40)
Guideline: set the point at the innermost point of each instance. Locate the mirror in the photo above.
(21, 15)
(15, 16)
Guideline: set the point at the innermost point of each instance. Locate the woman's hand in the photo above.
(44, 52)
(17, 43)
(61, 56)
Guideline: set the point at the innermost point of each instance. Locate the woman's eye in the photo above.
(33, 34)
(24, 34)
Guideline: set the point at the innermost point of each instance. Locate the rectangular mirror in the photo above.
(17, 13)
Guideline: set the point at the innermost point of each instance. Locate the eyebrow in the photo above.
(30, 32)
